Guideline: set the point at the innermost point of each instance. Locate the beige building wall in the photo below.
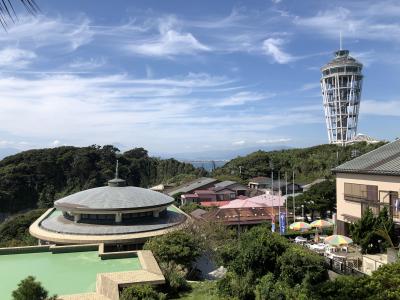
(347, 208)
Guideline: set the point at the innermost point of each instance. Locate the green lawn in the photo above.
(201, 291)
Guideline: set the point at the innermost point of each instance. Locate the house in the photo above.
(190, 187)
(208, 195)
(238, 188)
(265, 183)
(220, 191)
(370, 181)
(247, 212)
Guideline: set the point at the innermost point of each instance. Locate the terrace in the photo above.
(78, 272)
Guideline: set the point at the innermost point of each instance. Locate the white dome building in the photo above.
(113, 214)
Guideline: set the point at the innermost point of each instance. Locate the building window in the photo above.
(394, 205)
(361, 192)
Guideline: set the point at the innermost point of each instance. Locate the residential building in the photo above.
(370, 181)
(208, 195)
(222, 191)
(238, 188)
(265, 183)
(246, 212)
(189, 187)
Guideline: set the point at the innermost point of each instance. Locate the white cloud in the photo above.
(118, 108)
(273, 48)
(55, 143)
(241, 98)
(310, 86)
(42, 31)
(273, 141)
(87, 64)
(15, 58)
(355, 22)
(168, 42)
(380, 108)
(239, 143)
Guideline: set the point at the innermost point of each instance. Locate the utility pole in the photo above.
(286, 194)
(294, 201)
(279, 195)
(240, 170)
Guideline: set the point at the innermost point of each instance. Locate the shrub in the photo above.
(298, 264)
(141, 292)
(177, 246)
(30, 289)
(175, 281)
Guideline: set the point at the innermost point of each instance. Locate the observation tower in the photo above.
(341, 85)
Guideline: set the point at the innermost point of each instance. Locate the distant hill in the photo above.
(307, 163)
(4, 152)
(35, 178)
(224, 154)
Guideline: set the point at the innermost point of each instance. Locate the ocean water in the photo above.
(208, 165)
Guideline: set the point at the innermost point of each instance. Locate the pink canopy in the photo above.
(258, 201)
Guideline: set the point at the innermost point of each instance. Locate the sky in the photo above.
(186, 76)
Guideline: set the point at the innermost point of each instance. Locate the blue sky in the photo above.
(186, 76)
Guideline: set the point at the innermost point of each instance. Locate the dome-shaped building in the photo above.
(113, 214)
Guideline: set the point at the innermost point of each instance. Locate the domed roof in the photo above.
(113, 197)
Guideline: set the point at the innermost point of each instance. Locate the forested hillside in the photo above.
(36, 178)
(307, 163)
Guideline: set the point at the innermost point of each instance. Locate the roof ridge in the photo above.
(359, 157)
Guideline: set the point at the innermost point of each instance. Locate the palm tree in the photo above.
(7, 11)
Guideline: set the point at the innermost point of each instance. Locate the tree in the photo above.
(368, 231)
(258, 251)
(47, 197)
(383, 284)
(37, 177)
(139, 292)
(30, 289)
(177, 246)
(7, 11)
(321, 197)
(15, 231)
(298, 264)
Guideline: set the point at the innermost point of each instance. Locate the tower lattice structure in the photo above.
(341, 85)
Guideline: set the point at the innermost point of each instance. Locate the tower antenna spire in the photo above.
(340, 40)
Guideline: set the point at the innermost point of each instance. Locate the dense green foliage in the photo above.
(30, 289)
(374, 233)
(320, 198)
(35, 178)
(141, 292)
(15, 231)
(307, 163)
(179, 247)
(296, 265)
(264, 265)
(383, 284)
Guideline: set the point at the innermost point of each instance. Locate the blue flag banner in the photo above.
(282, 223)
(273, 224)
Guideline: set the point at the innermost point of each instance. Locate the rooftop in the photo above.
(113, 198)
(384, 160)
(342, 57)
(193, 185)
(224, 184)
(258, 201)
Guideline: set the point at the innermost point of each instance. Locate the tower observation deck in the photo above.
(341, 85)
